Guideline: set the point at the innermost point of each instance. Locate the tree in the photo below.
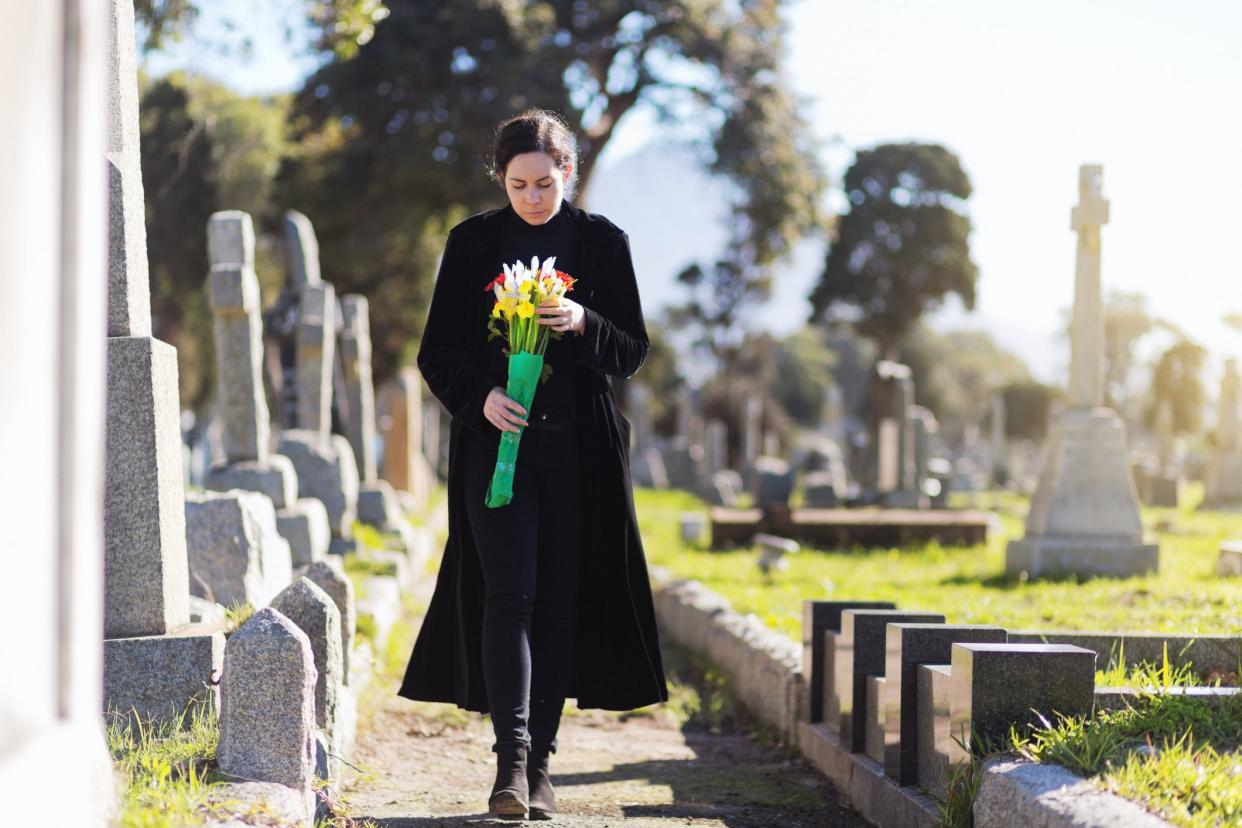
(179, 181)
(392, 141)
(902, 247)
(802, 374)
(956, 373)
(1177, 381)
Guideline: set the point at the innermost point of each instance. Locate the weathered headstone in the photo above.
(752, 424)
(326, 471)
(313, 610)
(997, 443)
(1084, 515)
(356, 359)
(267, 704)
(233, 289)
(146, 576)
(341, 590)
(400, 404)
(1224, 473)
(715, 447)
(316, 350)
(236, 554)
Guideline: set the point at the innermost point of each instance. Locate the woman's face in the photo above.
(535, 186)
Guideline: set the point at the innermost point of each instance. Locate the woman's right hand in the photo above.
(502, 411)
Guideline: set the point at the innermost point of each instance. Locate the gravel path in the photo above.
(686, 763)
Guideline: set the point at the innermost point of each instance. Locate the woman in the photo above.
(546, 598)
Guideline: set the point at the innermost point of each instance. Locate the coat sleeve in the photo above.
(444, 354)
(614, 340)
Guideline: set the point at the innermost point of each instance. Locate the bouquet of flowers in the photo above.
(519, 290)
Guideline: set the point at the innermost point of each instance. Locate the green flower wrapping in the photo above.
(524, 372)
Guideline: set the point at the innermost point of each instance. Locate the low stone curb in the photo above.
(1033, 795)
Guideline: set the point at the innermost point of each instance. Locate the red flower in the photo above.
(492, 284)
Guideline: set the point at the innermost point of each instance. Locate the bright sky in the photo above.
(1023, 93)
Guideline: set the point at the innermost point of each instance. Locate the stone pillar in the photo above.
(249, 463)
(715, 446)
(146, 578)
(53, 308)
(316, 344)
(1084, 515)
(233, 289)
(356, 358)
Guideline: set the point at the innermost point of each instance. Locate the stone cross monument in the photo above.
(1084, 516)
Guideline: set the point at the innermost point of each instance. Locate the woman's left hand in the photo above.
(565, 315)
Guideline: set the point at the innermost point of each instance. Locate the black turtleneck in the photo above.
(521, 241)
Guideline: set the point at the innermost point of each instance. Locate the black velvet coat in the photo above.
(617, 660)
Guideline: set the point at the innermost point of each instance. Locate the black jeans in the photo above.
(530, 556)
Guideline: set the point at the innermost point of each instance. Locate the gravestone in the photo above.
(236, 554)
(341, 590)
(1161, 482)
(377, 499)
(819, 618)
(400, 403)
(1084, 515)
(154, 659)
(316, 614)
(249, 463)
(267, 704)
(715, 446)
(774, 481)
(891, 472)
(1224, 473)
(907, 647)
(326, 471)
(316, 352)
(859, 652)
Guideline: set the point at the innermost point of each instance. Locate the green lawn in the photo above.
(967, 583)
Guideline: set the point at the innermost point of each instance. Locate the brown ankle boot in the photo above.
(511, 792)
(539, 782)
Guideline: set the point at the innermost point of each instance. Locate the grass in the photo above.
(1178, 757)
(967, 583)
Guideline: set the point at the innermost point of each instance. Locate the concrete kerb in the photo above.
(1020, 792)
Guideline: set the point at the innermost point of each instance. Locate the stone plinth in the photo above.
(160, 676)
(236, 554)
(994, 687)
(145, 572)
(267, 704)
(1084, 516)
(908, 646)
(860, 652)
(817, 618)
(873, 728)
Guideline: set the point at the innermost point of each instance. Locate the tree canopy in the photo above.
(393, 141)
(902, 247)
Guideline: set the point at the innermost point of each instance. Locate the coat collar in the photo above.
(586, 231)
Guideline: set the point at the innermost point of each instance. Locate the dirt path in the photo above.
(686, 763)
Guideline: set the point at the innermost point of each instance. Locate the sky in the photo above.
(1024, 93)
